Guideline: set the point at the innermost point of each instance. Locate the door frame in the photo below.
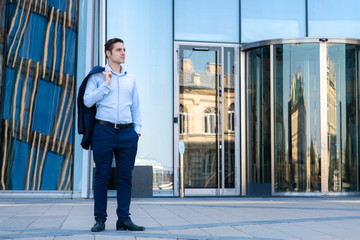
(221, 190)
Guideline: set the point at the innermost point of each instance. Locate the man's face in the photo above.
(117, 54)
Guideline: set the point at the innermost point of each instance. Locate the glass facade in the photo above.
(204, 20)
(258, 116)
(297, 118)
(148, 42)
(343, 117)
(199, 83)
(263, 19)
(300, 164)
(37, 94)
(286, 116)
(334, 19)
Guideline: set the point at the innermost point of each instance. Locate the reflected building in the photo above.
(162, 178)
(299, 166)
(199, 124)
(334, 174)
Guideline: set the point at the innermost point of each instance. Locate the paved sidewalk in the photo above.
(188, 218)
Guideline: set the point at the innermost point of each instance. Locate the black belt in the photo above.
(114, 125)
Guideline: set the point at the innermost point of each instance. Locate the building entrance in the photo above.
(302, 116)
(205, 119)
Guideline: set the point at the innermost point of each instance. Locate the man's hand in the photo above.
(107, 76)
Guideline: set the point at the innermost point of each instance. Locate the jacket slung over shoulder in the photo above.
(86, 116)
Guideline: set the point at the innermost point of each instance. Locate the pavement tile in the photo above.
(187, 218)
(225, 232)
(47, 222)
(192, 232)
(261, 231)
(77, 237)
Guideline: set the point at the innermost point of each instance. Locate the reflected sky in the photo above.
(264, 19)
(146, 28)
(334, 19)
(204, 20)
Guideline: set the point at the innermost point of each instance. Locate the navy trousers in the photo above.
(107, 142)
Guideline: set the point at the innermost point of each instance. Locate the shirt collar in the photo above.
(123, 72)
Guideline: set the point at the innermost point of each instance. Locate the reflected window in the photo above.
(184, 120)
(209, 120)
(231, 118)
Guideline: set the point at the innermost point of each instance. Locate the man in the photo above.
(116, 132)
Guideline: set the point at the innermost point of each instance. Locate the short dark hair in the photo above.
(109, 45)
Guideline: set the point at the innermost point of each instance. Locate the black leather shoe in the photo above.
(98, 227)
(128, 225)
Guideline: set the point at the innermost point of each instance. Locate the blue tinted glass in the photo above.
(264, 19)
(146, 28)
(333, 18)
(35, 30)
(207, 20)
(37, 94)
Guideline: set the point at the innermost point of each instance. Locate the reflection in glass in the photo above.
(148, 38)
(2, 41)
(229, 117)
(297, 118)
(334, 19)
(198, 95)
(206, 20)
(258, 114)
(184, 120)
(343, 111)
(37, 95)
(209, 120)
(264, 19)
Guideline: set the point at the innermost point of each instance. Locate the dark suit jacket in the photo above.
(86, 116)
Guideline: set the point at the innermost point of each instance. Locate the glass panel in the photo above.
(37, 96)
(258, 113)
(343, 124)
(149, 46)
(207, 20)
(229, 117)
(297, 118)
(198, 97)
(334, 18)
(264, 19)
(2, 43)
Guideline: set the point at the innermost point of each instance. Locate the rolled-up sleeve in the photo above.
(93, 92)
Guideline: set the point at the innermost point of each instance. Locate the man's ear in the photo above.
(107, 53)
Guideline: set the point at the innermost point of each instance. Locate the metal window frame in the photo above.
(221, 191)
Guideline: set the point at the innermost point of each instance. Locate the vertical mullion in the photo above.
(243, 122)
(323, 119)
(222, 121)
(272, 118)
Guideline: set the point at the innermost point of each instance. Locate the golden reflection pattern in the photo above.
(37, 94)
(22, 32)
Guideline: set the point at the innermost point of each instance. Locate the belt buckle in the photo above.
(115, 126)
